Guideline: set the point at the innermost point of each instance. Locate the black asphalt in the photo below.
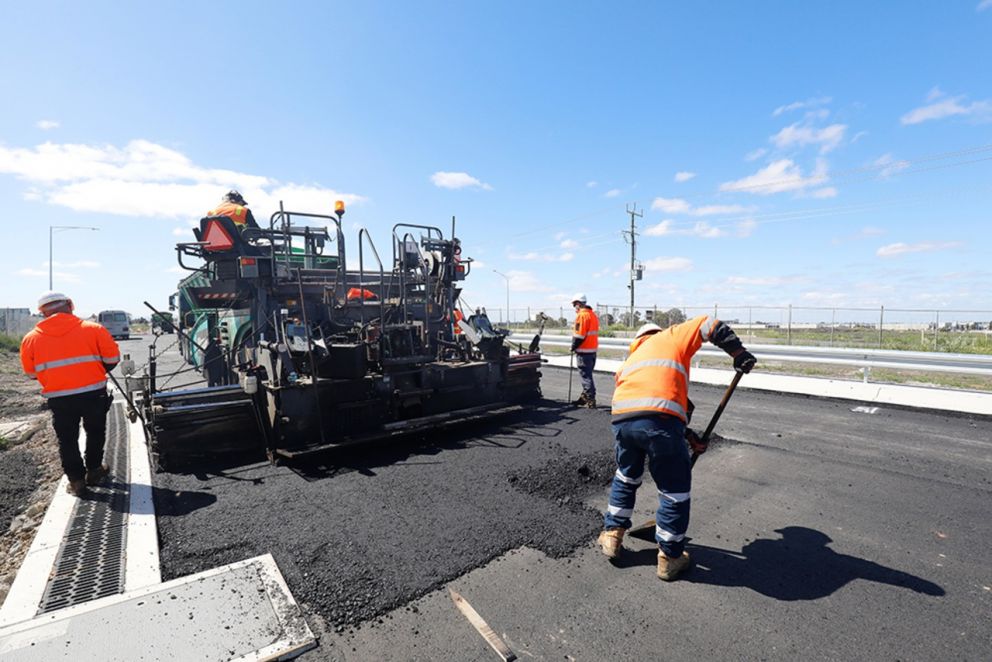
(818, 532)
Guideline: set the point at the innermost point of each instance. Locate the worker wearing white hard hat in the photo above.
(650, 412)
(70, 357)
(585, 344)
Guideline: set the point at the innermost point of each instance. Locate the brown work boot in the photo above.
(96, 476)
(590, 402)
(669, 568)
(76, 488)
(610, 540)
(581, 402)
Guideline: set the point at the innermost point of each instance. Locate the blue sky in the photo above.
(818, 154)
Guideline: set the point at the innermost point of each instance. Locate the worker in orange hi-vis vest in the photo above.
(585, 344)
(233, 206)
(71, 359)
(650, 411)
(360, 294)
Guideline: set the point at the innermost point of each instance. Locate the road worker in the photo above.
(360, 294)
(650, 412)
(585, 343)
(71, 359)
(233, 206)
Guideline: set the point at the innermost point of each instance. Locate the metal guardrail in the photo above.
(866, 359)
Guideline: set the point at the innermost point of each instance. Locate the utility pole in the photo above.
(633, 254)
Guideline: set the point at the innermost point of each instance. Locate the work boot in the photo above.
(591, 402)
(96, 476)
(583, 399)
(669, 568)
(76, 488)
(610, 540)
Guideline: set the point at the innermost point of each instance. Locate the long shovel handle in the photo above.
(716, 415)
(571, 358)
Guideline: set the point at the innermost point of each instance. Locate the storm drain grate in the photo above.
(90, 563)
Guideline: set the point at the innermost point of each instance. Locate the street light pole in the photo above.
(51, 233)
(507, 278)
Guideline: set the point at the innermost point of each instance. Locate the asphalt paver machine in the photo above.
(303, 354)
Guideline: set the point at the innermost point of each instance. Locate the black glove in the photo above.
(744, 361)
(575, 343)
(697, 445)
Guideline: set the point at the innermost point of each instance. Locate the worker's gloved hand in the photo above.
(744, 361)
(697, 445)
(575, 343)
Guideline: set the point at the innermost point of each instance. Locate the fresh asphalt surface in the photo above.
(817, 532)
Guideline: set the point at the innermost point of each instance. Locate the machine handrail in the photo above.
(364, 233)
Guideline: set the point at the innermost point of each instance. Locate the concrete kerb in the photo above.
(916, 397)
(142, 553)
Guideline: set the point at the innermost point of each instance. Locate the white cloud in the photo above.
(796, 105)
(182, 232)
(78, 264)
(592, 184)
(47, 125)
(947, 107)
(858, 136)
(668, 264)
(888, 166)
(699, 229)
(661, 229)
(526, 281)
(457, 180)
(670, 205)
(612, 193)
(983, 5)
(534, 256)
(569, 244)
(777, 177)
(825, 192)
(899, 248)
(720, 210)
(828, 138)
(765, 281)
(746, 227)
(756, 154)
(43, 273)
(149, 180)
(683, 176)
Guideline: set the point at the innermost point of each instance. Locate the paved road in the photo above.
(818, 533)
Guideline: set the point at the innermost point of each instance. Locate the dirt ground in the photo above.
(29, 465)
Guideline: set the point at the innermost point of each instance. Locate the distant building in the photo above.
(16, 321)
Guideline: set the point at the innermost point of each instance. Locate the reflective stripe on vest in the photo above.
(41, 367)
(652, 404)
(234, 212)
(75, 391)
(625, 370)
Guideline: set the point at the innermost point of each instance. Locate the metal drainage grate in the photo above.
(90, 563)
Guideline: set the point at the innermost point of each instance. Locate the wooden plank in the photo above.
(482, 627)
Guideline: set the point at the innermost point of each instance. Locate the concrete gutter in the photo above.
(922, 397)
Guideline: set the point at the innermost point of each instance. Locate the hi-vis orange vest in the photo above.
(235, 212)
(586, 328)
(356, 293)
(458, 318)
(66, 355)
(655, 377)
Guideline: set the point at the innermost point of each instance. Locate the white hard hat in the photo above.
(50, 297)
(646, 329)
(581, 298)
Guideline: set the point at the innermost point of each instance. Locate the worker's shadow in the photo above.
(797, 566)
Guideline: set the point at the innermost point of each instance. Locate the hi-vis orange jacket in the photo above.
(586, 330)
(233, 211)
(66, 355)
(655, 377)
(458, 317)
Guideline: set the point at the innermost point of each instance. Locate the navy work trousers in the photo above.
(586, 362)
(661, 440)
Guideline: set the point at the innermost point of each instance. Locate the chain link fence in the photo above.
(935, 330)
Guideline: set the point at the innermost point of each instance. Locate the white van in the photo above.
(117, 322)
